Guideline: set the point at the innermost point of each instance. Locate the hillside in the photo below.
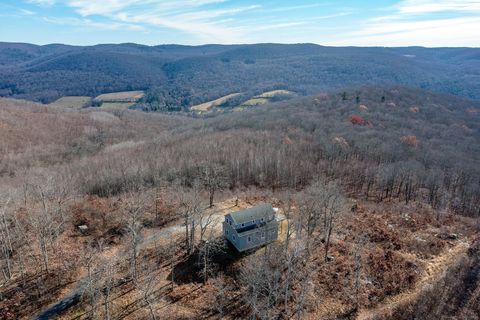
(107, 211)
(189, 76)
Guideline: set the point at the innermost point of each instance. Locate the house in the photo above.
(251, 228)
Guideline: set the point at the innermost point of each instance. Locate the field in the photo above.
(265, 97)
(207, 105)
(116, 105)
(254, 102)
(75, 102)
(125, 96)
(273, 93)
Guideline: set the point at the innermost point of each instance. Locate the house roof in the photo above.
(255, 213)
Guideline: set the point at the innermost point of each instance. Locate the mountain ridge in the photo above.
(195, 74)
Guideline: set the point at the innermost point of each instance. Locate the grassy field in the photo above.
(126, 96)
(207, 105)
(74, 102)
(265, 97)
(273, 93)
(116, 105)
(254, 102)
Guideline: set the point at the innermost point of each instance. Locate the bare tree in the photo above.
(206, 219)
(191, 206)
(107, 281)
(262, 277)
(145, 287)
(214, 178)
(221, 288)
(133, 206)
(89, 257)
(333, 204)
(207, 249)
(5, 241)
(358, 265)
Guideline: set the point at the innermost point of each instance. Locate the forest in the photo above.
(182, 76)
(115, 215)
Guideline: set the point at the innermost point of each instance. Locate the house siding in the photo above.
(251, 234)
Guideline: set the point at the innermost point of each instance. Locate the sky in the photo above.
(430, 23)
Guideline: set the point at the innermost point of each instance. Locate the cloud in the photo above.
(407, 22)
(194, 17)
(433, 33)
(420, 22)
(27, 12)
(45, 3)
(429, 6)
(105, 7)
(87, 23)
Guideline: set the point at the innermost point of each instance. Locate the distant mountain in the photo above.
(195, 74)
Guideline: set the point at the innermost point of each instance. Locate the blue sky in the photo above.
(341, 23)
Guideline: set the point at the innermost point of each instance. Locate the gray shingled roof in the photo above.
(255, 213)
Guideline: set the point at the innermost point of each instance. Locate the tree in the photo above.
(332, 205)
(133, 206)
(222, 287)
(89, 257)
(107, 281)
(214, 178)
(5, 240)
(145, 287)
(207, 249)
(191, 206)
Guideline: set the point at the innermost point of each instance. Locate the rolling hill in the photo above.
(191, 75)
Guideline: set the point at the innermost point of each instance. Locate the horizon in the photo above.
(351, 23)
(229, 44)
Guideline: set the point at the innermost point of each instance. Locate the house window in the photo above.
(243, 224)
(233, 238)
(249, 239)
(263, 234)
(226, 232)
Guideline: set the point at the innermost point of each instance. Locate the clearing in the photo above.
(116, 105)
(70, 102)
(273, 93)
(266, 97)
(125, 96)
(207, 105)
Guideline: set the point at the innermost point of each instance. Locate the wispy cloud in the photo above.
(27, 12)
(87, 23)
(406, 22)
(420, 22)
(42, 2)
(199, 18)
(434, 6)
